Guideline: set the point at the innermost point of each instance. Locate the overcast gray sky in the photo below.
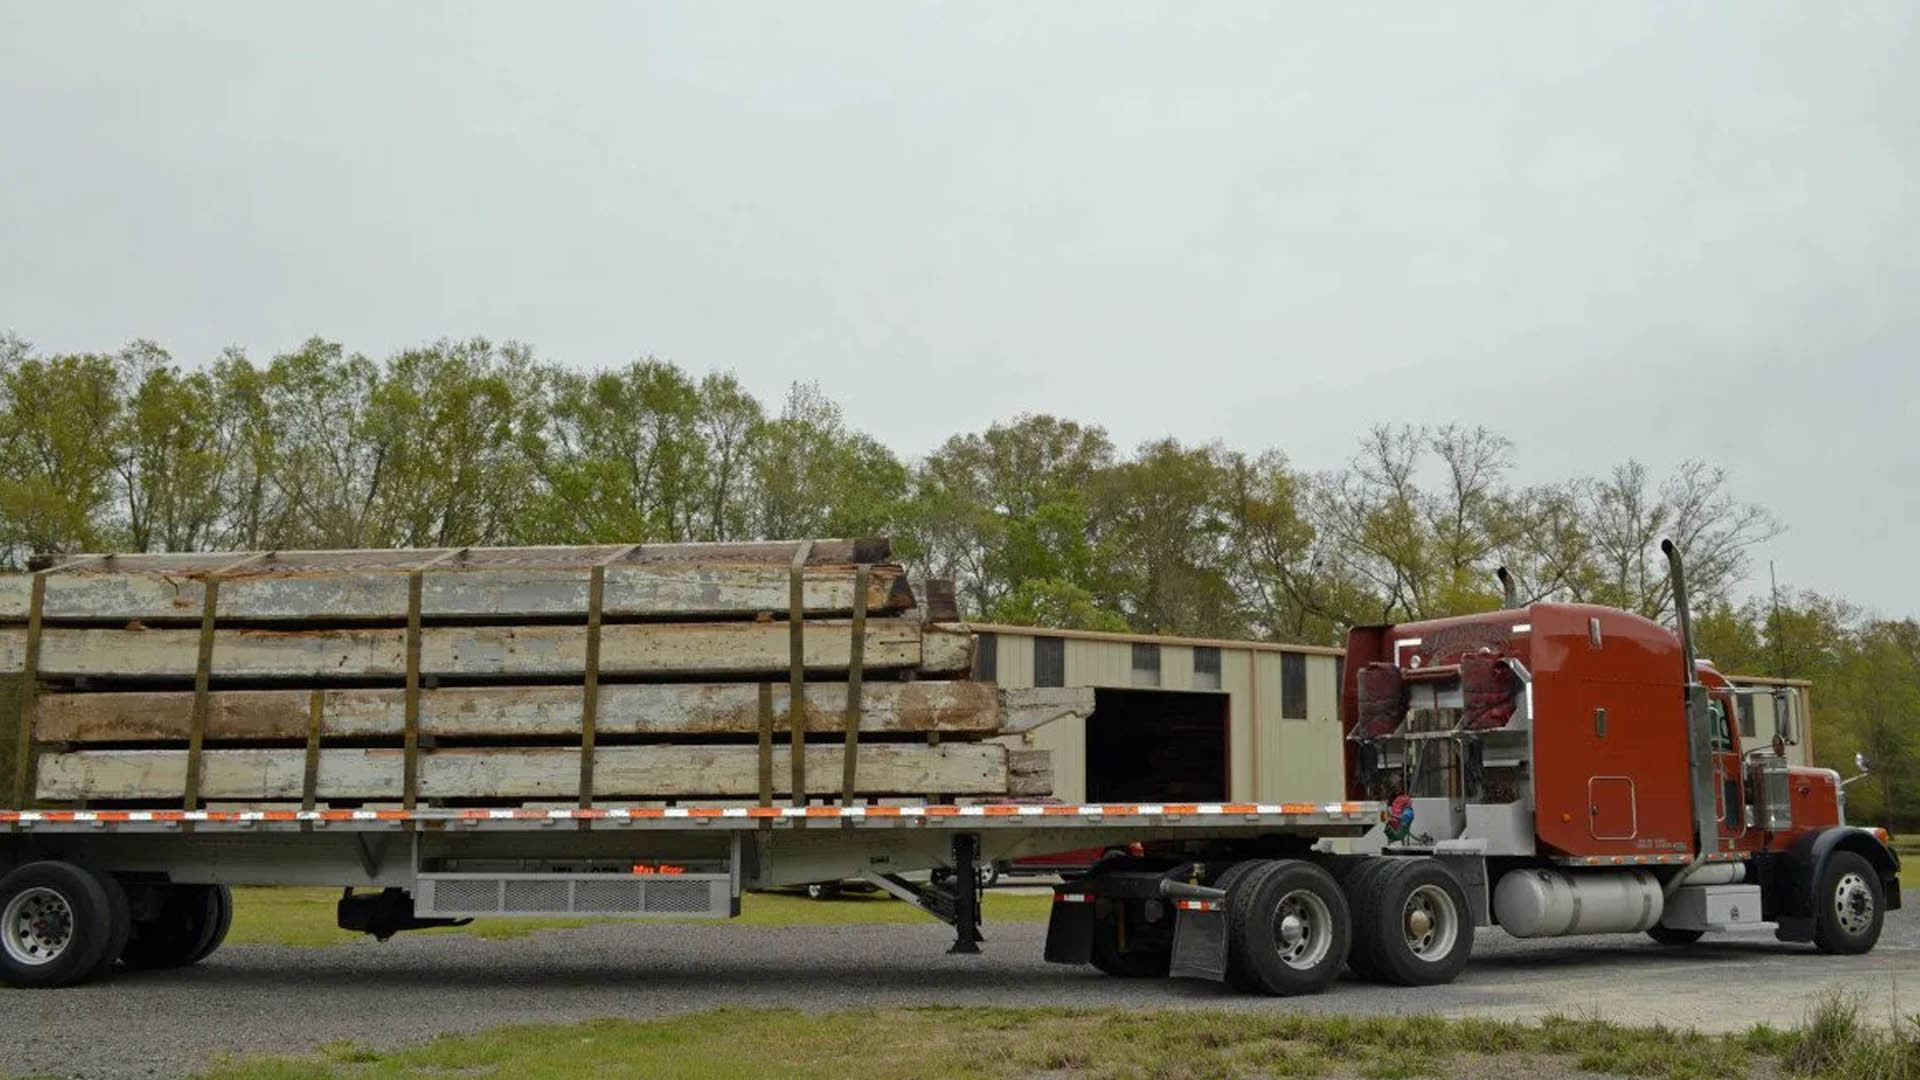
(1665, 230)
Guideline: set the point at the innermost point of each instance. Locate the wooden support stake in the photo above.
(311, 777)
(29, 689)
(202, 687)
(590, 689)
(410, 739)
(766, 744)
(797, 672)
(856, 654)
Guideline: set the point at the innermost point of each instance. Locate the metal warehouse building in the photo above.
(1178, 719)
(1197, 720)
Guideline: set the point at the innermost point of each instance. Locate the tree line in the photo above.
(1038, 520)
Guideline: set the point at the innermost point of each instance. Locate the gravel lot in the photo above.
(272, 999)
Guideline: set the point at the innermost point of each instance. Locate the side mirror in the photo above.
(1784, 721)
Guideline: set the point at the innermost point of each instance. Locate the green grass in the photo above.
(277, 916)
(1015, 1044)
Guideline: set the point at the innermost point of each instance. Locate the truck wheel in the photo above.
(190, 917)
(823, 890)
(1292, 934)
(56, 922)
(1849, 905)
(121, 921)
(1358, 886)
(1667, 935)
(222, 922)
(1412, 923)
(1231, 882)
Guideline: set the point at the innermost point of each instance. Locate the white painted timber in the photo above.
(519, 711)
(499, 595)
(626, 649)
(538, 773)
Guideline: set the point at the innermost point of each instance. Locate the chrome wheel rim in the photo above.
(1302, 929)
(1853, 904)
(38, 926)
(1431, 923)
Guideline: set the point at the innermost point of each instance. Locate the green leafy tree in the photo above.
(812, 476)
(169, 454)
(998, 510)
(58, 419)
(451, 422)
(1163, 526)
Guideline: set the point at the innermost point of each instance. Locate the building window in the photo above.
(1049, 661)
(1293, 686)
(986, 657)
(1146, 664)
(1206, 667)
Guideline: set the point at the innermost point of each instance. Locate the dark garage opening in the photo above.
(1157, 746)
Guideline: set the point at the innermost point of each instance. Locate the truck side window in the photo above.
(1717, 724)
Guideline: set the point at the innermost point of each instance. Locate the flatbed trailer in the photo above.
(80, 881)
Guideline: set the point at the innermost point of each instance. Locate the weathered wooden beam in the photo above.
(1025, 708)
(672, 709)
(275, 594)
(636, 772)
(626, 649)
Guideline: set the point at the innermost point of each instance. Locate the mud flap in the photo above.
(1070, 929)
(1200, 942)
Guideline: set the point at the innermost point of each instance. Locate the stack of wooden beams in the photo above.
(502, 675)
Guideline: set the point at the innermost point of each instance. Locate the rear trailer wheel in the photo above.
(188, 928)
(1358, 886)
(222, 922)
(56, 922)
(1849, 905)
(1234, 881)
(120, 915)
(1667, 935)
(1412, 924)
(1291, 933)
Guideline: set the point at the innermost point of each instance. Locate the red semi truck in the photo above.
(1551, 769)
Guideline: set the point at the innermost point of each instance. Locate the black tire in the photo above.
(222, 922)
(1231, 881)
(121, 915)
(183, 932)
(823, 890)
(57, 921)
(1292, 894)
(1358, 887)
(1413, 924)
(989, 875)
(1667, 935)
(1849, 905)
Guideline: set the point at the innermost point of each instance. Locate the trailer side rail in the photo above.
(1340, 816)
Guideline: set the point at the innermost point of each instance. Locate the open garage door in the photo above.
(1157, 746)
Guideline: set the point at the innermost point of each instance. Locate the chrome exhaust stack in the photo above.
(1509, 592)
(1706, 825)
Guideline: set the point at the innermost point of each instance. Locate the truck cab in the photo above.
(1599, 769)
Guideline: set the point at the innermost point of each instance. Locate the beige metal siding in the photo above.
(1016, 661)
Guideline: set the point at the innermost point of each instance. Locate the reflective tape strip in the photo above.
(1072, 898)
(652, 813)
(1199, 905)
